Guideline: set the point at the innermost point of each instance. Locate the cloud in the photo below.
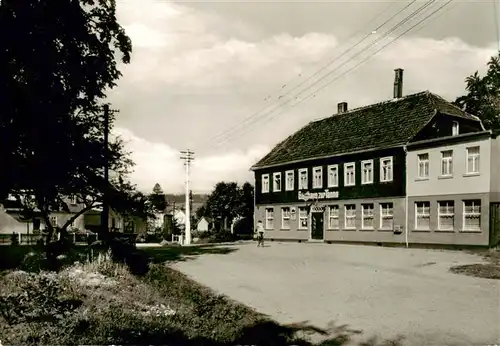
(195, 73)
(160, 163)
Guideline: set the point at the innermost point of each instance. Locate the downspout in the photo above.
(406, 195)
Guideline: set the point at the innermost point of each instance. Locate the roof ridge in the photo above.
(453, 105)
(357, 109)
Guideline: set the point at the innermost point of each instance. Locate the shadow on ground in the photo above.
(263, 333)
(183, 253)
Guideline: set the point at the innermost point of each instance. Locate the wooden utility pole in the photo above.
(105, 204)
(188, 157)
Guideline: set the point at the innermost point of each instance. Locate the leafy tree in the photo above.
(483, 95)
(158, 199)
(57, 61)
(228, 201)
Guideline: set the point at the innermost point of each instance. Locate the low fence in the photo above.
(27, 239)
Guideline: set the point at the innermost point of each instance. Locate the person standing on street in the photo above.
(260, 234)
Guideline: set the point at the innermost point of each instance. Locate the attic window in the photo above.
(454, 128)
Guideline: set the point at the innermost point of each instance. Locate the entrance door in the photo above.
(317, 228)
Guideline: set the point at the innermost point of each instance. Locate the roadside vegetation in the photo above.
(99, 301)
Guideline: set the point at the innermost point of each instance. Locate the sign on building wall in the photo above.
(305, 196)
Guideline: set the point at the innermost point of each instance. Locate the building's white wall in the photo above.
(202, 225)
(459, 183)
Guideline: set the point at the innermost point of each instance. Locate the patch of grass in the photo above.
(489, 270)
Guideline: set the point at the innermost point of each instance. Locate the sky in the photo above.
(231, 79)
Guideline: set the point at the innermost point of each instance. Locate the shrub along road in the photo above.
(382, 291)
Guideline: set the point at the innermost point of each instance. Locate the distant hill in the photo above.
(181, 198)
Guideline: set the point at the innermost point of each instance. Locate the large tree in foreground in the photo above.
(57, 61)
(483, 95)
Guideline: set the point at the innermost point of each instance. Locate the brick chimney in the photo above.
(342, 107)
(398, 83)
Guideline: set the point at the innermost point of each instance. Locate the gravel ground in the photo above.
(383, 291)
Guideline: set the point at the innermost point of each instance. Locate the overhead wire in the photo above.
(402, 22)
(329, 63)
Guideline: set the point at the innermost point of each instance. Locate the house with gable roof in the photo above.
(344, 178)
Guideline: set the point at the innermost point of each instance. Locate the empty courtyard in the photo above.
(384, 292)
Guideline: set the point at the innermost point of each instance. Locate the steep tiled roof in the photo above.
(380, 125)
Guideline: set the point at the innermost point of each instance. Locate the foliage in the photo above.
(61, 94)
(158, 199)
(483, 95)
(228, 201)
(100, 302)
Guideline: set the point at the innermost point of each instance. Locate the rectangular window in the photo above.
(265, 183)
(423, 165)
(367, 220)
(73, 200)
(285, 218)
(447, 163)
(422, 215)
(53, 221)
(303, 179)
(350, 216)
(277, 182)
(472, 160)
(317, 177)
(290, 181)
(454, 128)
(333, 176)
(472, 215)
(386, 173)
(367, 172)
(386, 216)
(269, 218)
(302, 218)
(446, 215)
(334, 217)
(349, 174)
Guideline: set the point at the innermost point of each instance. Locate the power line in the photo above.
(394, 28)
(364, 60)
(330, 62)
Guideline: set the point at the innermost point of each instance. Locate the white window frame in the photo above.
(289, 183)
(422, 165)
(301, 217)
(448, 161)
(285, 215)
(455, 128)
(269, 224)
(277, 174)
(333, 217)
(475, 203)
(423, 214)
(389, 178)
(476, 159)
(301, 186)
(73, 200)
(346, 180)
(448, 205)
(363, 172)
(349, 217)
(385, 215)
(265, 183)
(333, 176)
(367, 216)
(317, 179)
